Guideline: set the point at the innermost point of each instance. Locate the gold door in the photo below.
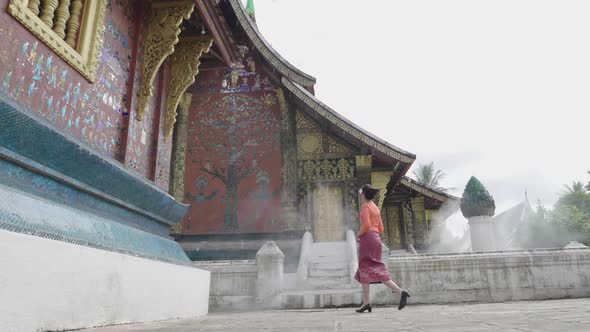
(328, 213)
(392, 221)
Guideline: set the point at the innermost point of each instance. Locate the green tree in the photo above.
(429, 176)
(539, 231)
(572, 211)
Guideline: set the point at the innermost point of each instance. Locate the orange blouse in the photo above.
(370, 219)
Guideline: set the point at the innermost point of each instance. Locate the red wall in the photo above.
(233, 163)
(97, 113)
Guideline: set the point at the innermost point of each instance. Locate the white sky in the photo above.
(497, 89)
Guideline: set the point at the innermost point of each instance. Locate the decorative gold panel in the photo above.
(328, 213)
(336, 147)
(164, 27)
(309, 145)
(326, 169)
(185, 66)
(303, 122)
(380, 179)
(82, 56)
(392, 221)
(364, 161)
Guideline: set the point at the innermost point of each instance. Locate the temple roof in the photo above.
(283, 66)
(427, 191)
(348, 127)
(300, 86)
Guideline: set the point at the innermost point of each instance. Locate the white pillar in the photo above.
(483, 233)
(269, 260)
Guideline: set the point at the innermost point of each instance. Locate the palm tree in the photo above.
(428, 176)
(574, 194)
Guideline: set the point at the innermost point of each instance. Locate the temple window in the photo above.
(71, 28)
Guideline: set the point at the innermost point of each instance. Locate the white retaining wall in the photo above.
(490, 277)
(53, 285)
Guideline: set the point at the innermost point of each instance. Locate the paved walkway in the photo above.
(560, 315)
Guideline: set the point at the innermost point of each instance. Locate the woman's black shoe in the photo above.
(365, 308)
(403, 300)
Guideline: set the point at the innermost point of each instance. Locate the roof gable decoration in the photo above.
(346, 125)
(263, 47)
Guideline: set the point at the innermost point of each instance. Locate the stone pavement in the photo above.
(558, 315)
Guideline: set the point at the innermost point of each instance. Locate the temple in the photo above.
(127, 125)
(266, 160)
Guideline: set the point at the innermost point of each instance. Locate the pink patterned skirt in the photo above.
(371, 270)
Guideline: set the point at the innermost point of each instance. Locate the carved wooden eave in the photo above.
(217, 27)
(163, 29)
(185, 63)
(282, 66)
(426, 191)
(350, 131)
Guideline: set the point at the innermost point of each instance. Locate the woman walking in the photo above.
(371, 270)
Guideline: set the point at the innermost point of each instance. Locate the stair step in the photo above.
(321, 298)
(328, 265)
(328, 281)
(323, 272)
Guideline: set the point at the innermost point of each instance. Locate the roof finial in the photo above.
(250, 10)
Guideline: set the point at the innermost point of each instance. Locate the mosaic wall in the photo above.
(233, 163)
(99, 113)
(143, 152)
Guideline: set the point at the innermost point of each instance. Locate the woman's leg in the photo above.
(393, 286)
(365, 294)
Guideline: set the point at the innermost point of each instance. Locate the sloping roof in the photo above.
(299, 83)
(268, 53)
(427, 191)
(508, 221)
(362, 136)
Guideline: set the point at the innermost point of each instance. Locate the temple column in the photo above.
(364, 165)
(178, 162)
(420, 229)
(289, 164)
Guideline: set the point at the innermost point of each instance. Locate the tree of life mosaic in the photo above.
(234, 140)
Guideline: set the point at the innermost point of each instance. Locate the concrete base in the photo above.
(54, 285)
(321, 298)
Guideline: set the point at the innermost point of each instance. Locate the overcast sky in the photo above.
(497, 89)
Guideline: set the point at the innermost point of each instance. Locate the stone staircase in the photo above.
(324, 277)
(328, 266)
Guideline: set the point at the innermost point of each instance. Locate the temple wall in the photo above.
(88, 287)
(233, 161)
(101, 114)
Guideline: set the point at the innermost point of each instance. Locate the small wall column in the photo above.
(269, 260)
(483, 236)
